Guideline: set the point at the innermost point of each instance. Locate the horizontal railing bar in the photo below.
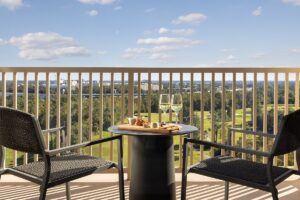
(150, 70)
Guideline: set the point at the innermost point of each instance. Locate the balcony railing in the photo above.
(88, 100)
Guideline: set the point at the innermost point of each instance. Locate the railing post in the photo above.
(4, 105)
(130, 113)
(275, 100)
(69, 113)
(202, 116)
(47, 111)
(212, 111)
(191, 114)
(254, 108)
(100, 111)
(91, 134)
(58, 122)
(25, 92)
(244, 106)
(149, 97)
(286, 110)
(15, 105)
(233, 109)
(265, 114)
(296, 108)
(36, 103)
(112, 112)
(223, 112)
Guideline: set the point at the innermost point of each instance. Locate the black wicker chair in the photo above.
(21, 131)
(252, 174)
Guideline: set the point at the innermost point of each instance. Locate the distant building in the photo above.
(154, 87)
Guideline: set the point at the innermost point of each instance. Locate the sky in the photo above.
(156, 33)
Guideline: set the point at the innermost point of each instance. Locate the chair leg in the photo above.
(183, 186)
(184, 170)
(43, 192)
(274, 193)
(68, 194)
(120, 169)
(226, 190)
(121, 184)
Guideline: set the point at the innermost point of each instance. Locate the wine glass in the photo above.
(176, 104)
(164, 104)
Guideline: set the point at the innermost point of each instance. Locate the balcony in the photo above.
(89, 100)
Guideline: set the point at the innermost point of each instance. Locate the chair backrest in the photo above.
(288, 137)
(20, 131)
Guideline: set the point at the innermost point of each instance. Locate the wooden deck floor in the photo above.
(205, 189)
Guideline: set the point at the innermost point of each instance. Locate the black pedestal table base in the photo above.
(152, 168)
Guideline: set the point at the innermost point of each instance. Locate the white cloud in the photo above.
(163, 30)
(257, 11)
(149, 10)
(2, 42)
(11, 4)
(102, 2)
(192, 18)
(189, 31)
(46, 46)
(259, 55)
(168, 41)
(183, 31)
(134, 52)
(162, 48)
(101, 52)
(160, 56)
(92, 13)
(117, 8)
(147, 32)
(295, 50)
(229, 59)
(158, 48)
(292, 2)
(227, 50)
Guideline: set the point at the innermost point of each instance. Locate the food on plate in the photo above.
(171, 127)
(154, 125)
(139, 122)
(146, 125)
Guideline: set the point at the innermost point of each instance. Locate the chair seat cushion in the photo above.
(67, 167)
(236, 168)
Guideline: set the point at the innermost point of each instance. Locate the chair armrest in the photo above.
(251, 132)
(2, 171)
(228, 147)
(53, 130)
(84, 144)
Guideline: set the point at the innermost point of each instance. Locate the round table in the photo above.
(152, 163)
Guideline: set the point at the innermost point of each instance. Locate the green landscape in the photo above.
(143, 104)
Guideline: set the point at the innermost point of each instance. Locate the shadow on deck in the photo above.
(91, 188)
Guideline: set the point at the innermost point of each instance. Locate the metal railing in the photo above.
(88, 99)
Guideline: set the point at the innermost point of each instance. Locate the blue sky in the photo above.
(183, 33)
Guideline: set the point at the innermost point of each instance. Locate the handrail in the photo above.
(153, 69)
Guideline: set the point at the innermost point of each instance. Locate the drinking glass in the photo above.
(176, 104)
(164, 104)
